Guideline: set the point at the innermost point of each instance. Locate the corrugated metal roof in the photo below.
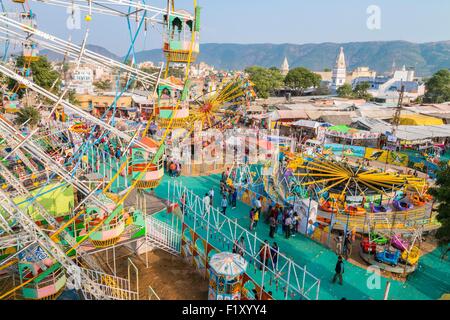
(288, 114)
(337, 119)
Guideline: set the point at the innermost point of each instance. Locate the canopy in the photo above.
(346, 132)
(288, 115)
(307, 124)
(228, 264)
(420, 120)
(340, 128)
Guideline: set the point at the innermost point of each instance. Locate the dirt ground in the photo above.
(169, 276)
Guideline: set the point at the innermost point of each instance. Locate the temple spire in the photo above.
(339, 71)
(285, 67)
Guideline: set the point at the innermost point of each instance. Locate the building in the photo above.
(361, 72)
(339, 72)
(99, 103)
(201, 70)
(82, 81)
(146, 65)
(285, 67)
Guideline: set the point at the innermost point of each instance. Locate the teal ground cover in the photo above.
(430, 281)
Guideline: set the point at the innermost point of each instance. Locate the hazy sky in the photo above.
(275, 21)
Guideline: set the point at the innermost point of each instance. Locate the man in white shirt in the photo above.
(258, 205)
(206, 203)
(211, 196)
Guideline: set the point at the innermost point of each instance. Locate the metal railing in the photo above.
(112, 287)
(152, 294)
(163, 234)
(294, 279)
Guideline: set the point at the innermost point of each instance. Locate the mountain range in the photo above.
(380, 56)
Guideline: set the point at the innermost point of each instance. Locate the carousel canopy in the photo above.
(228, 264)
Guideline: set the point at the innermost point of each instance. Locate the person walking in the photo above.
(258, 205)
(252, 218)
(274, 252)
(264, 254)
(224, 205)
(280, 224)
(234, 198)
(206, 204)
(224, 177)
(339, 269)
(235, 247)
(211, 196)
(241, 247)
(273, 226)
(255, 219)
(348, 245)
(288, 226)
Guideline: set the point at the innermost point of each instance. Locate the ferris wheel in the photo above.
(52, 248)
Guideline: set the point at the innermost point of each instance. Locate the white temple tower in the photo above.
(285, 67)
(339, 71)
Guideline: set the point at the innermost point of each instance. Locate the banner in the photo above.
(390, 157)
(344, 150)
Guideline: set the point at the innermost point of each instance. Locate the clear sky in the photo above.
(275, 21)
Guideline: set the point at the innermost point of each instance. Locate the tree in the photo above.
(302, 79)
(71, 96)
(103, 85)
(346, 91)
(361, 91)
(266, 80)
(322, 90)
(42, 72)
(438, 87)
(29, 115)
(441, 193)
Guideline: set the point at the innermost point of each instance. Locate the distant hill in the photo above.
(426, 58)
(97, 49)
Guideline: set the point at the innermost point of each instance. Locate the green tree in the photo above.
(441, 193)
(302, 79)
(29, 115)
(438, 87)
(43, 74)
(346, 91)
(103, 85)
(361, 91)
(71, 96)
(322, 90)
(266, 80)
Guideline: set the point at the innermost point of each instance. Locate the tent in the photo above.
(420, 120)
